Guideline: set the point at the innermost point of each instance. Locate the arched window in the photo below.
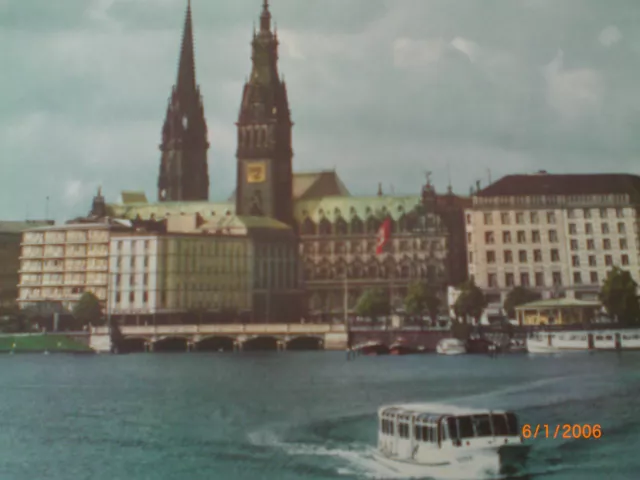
(341, 226)
(308, 227)
(373, 224)
(325, 227)
(357, 227)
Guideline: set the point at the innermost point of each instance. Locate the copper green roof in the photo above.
(133, 197)
(162, 209)
(333, 208)
(558, 303)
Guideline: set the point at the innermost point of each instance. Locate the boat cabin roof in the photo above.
(434, 409)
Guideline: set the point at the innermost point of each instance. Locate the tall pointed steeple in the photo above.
(184, 172)
(265, 180)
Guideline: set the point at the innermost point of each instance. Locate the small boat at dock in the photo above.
(451, 346)
(372, 348)
(583, 340)
(443, 441)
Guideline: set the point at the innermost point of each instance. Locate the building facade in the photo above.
(197, 271)
(10, 240)
(557, 235)
(59, 263)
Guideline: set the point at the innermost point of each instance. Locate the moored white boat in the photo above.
(443, 441)
(451, 346)
(583, 340)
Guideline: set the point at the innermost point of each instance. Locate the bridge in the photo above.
(226, 337)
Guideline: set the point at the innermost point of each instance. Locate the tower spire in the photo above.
(187, 65)
(265, 17)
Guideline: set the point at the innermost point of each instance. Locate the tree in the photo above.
(88, 310)
(421, 300)
(373, 303)
(619, 297)
(471, 302)
(516, 297)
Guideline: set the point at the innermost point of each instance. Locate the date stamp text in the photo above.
(567, 430)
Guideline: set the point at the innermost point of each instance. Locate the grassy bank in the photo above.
(39, 343)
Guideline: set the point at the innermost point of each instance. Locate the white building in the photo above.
(558, 235)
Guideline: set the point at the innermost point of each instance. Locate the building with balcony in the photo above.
(557, 235)
(205, 271)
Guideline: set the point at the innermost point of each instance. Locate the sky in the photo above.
(380, 90)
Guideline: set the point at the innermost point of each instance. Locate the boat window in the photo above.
(626, 337)
(465, 427)
(608, 337)
(403, 430)
(417, 432)
(599, 337)
(425, 434)
(512, 421)
(573, 337)
(482, 425)
(452, 425)
(500, 427)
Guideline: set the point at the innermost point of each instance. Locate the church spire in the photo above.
(187, 66)
(265, 17)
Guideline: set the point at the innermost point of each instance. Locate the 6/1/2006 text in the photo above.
(567, 430)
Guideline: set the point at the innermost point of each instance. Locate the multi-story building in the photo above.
(10, 238)
(194, 271)
(558, 235)
(59, 263)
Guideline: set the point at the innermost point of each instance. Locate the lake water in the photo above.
(292, 415)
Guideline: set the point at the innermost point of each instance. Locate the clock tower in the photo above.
(264, 154)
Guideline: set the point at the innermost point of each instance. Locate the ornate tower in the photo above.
(184, 173)
(264, 182)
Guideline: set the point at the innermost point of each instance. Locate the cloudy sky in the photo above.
(380, 90)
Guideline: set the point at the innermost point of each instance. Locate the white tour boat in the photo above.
(443, 441)
(451, 346)
(583, 340)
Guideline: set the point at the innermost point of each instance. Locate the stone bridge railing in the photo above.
(228, 329)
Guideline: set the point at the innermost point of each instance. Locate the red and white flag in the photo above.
(383, 236)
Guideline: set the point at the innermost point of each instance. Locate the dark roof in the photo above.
(569, 184)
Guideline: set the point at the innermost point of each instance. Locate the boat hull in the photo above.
(479, 464)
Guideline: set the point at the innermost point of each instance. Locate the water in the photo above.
(306, 415)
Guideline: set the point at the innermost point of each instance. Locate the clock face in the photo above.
(256, 172)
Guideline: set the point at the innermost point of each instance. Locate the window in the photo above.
(524, 279)
(592, 261)
(146, 243)
(488, 238)
(537, 256)
(470, 257)
(132, 261)
(504, 218)
(469, 238)
(522, 256)
(577, 278)
(553, 236)
(557, 278)
(621, 228)
(508, 256)
(586, 213)
(533, 217)
(574, 244)
(555, 255)
(603, 213)
(491, 256)
(591, 245)
(118, 299)
(506, 237)
(131, 297)
(132, 280)
(492, 280)
(509, 279)
(551, 218)
(594, 277)
(468, 219)
(624, 259)
(608, 260)
(623, 244)
(522, 238)
(619, 213)
(535, 236)
(145, 297)
(520, 218)
(606, 244)
(588, 228)
(571, 213)
(575, 261)
(605, 228)
(539, 279)
(572, 229)
(145, 279)
(146, 262)
(118, 279)
(488, 219)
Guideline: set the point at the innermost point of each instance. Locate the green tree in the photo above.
(115, 334)
(471, 302)
(88, 310)
(516, 297)
(373, 303)
(619, 297)
(420, 300)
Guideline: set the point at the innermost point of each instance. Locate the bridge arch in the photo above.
(171, 343)
(306, 342)
(261, 343)
(216, 343)
(133, 345)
